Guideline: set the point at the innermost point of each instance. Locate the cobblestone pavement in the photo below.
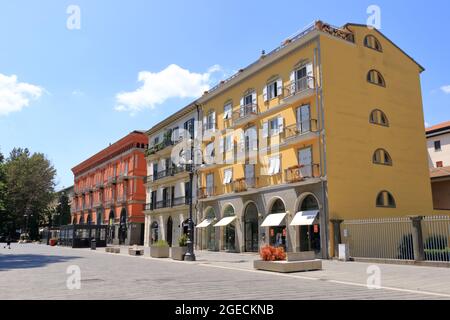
(35, 271)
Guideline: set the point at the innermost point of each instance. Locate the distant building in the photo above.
(438, 144)
(109, 189)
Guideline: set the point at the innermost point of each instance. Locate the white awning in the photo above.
(225, 221)
(304, 218)
(205, 223)
(273, 220)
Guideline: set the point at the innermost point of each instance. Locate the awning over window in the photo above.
(225, 221)
(273, 220)
(205, 223)
(305, 218)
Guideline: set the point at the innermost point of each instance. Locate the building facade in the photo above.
(438, 145)
(109, 189)
(319, 130)
(168, 183)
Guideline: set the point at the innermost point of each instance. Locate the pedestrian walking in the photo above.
(8, 243)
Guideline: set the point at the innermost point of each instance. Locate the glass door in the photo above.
(305, 159)
(303, 119)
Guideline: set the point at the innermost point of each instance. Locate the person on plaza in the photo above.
(8, 243)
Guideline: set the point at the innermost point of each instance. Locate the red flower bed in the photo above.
(269, 253)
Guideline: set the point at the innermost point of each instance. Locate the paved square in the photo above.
(35, 271)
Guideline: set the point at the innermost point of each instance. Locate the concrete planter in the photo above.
(286, 266)
(135, 252)
(159, 252)
(177, 253)
(300, 256)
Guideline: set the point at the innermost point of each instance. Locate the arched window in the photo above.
(381, 156)
(375, 77)
(378, 117)
(372, 43)
(278, 207)
(309, 203)
(385, 200)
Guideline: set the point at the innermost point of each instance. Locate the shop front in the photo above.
(276, 222)
(228, 226)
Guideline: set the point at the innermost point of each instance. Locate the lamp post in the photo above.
(190, 256)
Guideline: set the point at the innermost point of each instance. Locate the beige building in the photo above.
(438, 145)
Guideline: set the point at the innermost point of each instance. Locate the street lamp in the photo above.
(190, 256)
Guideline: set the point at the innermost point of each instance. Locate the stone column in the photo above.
(419, 253)
(336, 235)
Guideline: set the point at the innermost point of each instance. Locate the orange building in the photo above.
(109, 189)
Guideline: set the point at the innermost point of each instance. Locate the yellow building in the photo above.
(327, 127)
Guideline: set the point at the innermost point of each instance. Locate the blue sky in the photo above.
(70, 85)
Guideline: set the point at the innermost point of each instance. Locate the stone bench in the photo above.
(112, 249)
(135, 252)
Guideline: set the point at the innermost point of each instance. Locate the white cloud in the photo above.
(446, 89)
(15, 95)
(77, 92)
(156, 88)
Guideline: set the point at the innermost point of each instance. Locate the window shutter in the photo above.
(242, 141)
(205, 122)
(279, 87)
(254, 98)
(310, 73)
(214, 119)
(265, 129)
(242, 102)
(271, 166)
(265, 94)
(292, 82)
(221, 143)
(277, 165)
(280, 124)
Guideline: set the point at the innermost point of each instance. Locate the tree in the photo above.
(63, 210)
(3, 227)
(30, 186)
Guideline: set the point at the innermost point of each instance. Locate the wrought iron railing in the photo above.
(302, 172)
(298, 86)
(244, 112)
(300, 128)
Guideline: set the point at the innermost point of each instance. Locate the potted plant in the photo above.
(159, 249)
(177, 253)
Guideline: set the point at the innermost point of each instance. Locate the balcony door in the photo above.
(210, 184)
(250, 175)
(305, 159)
(303, 119)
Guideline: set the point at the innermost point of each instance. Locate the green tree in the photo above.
(63, 210)
(3, 219)
(30, 186)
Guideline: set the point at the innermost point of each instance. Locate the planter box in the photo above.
(177, 253)
(286, 266)
(300, 256)
(159, 252)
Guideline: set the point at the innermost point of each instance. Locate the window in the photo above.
(211, 120)
(227, 176)
(175, 134)
(381, 156)
(227, 111)
(274, 166)
(248, 100)
(273, 90)
(375, 77)
(372, 43)
(385, 200)
(155, 140)
(275, 126)
(189, 129)
(210, 151)
(439, 164)
(228, 143)
(210, 184)
(437, 146)
(378, 117)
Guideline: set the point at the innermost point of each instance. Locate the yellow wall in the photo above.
(353, 180)
(282, 69)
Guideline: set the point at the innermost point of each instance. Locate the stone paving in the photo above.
(35, 271)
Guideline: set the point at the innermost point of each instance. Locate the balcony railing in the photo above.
(112, 180)
(148, 207)
(98, 204)
(206, 192)
(168, 203)
(109, 203)
(298, 86)
(167, 173)
(302, 172)
(299, 129)
(121, 199)
(244, 184)
(245, 112)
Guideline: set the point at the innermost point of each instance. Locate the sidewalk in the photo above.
(395, 277)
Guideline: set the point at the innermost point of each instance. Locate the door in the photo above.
(210, 184)
(250, 175)
(169, 231)
(305, 159)
(303, 119)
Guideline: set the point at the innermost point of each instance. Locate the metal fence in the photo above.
(393, 238)
(436, 238)
(386, 238)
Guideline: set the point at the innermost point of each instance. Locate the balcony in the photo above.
(167, 203)
(98, 204)
(299, 130)
(302, 172)
(204, 193)
(148, 207)
(245, 114)
(299, 88)
(123, 176)
(244, 184)
(167, 173)
(109, 203)
(112, 180)
(121, 199)
(167, 142)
